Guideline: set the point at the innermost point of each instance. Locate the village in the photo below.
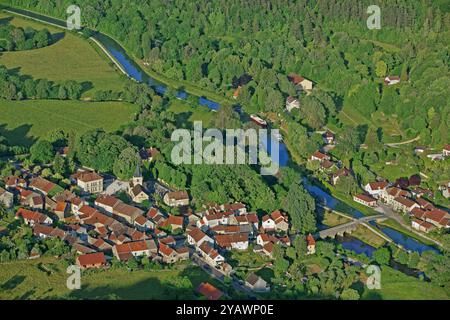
(99, 227)
(391, 198)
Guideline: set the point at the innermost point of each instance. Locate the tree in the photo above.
(126, 163)
(381, 69)
(301, 208)
(41, 151)
(349, 294)
(59, 164)
(382, 256)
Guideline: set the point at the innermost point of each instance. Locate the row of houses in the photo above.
(425, 216)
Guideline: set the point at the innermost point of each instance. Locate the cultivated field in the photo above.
(22, 122)
(70, 58)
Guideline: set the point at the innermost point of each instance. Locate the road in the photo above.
(220, 276)
(390, 213)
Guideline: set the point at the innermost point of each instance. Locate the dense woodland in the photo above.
(215, 44)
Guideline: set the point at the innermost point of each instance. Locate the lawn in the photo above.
(398, 286)
(186, 112)
(22, 122)
(70, 58)
(45, 278)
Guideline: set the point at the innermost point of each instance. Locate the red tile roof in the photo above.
(91, 259)
(209, 291)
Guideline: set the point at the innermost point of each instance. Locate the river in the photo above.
(136, 72)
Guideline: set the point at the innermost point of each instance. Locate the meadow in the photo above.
(69, 58)
(398, 286)
(23, 122)
(46, 277)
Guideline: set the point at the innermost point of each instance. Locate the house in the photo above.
(127, 212)
(404, 204)
(424, 204)
(343, 172)
(12, 182)
(127, 250)
(327, 165)
(422, 225)
(281, 221)
(175, 222)
(237, 208)
(328, 137)
(268, 249)
(148, 154)
(438, 218)
(238, 241)
(292, 103)
(176, 198)
(6, 198)
(319, 156)
(446, 150)
(390, 194)
(209, 291)
(268, 224)
(311, 244)
(106, 203)
(89, 181)
(91, 260)
(300, 82)
(196, 237)
(391, 80)
(365, 200)
(376, 188)
(256, 283)
(210, 255)
(32, 217)
(137, 194)
(264, 238)
(213, 220)
(43, 186)
(62, 210)
(143, 224)
(168, 254)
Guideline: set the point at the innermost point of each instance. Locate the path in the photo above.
(394, 144)
(388, 212)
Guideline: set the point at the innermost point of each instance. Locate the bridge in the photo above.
(352, 225)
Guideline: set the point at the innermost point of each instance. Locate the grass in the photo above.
(362, 233)
(45, 278)
(331, 219)
(186, 112)
(70, 58)
(22, 122)
(398, 286)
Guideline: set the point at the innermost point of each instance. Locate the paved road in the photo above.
(219, 275)
(390, 213)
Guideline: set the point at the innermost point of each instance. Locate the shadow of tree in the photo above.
(12, 282)
(17, 136)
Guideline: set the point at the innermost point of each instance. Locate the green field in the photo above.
(70, 58)
(45, 278)
(186, 112)
(398, 286)
(22, 122)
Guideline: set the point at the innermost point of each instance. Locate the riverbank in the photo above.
(362, 233)
(396, 226)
